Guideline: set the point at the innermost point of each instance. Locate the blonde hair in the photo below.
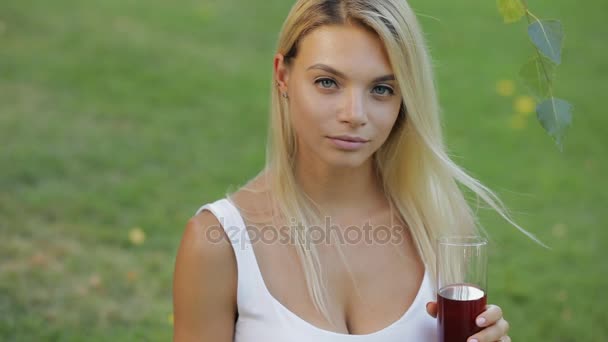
(419, 178)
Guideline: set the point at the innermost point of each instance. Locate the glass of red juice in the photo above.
(462, 263)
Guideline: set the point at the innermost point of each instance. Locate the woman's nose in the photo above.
(354, 109)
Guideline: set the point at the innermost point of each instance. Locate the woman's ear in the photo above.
(281, 72)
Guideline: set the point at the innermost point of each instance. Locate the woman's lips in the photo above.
(347, 145)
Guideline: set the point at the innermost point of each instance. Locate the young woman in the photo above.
(355, 146)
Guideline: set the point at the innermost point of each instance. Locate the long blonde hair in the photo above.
(419, 178)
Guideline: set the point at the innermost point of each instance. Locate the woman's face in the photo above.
(341, 87)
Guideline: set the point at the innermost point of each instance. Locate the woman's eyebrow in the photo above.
(341, 75)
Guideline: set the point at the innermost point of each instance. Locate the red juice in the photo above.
(458, 306)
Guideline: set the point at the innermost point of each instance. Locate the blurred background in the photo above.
(119, 118)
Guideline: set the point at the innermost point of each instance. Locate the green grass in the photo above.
(122, 114)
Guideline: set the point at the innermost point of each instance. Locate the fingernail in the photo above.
(480, 322)
(473, 340)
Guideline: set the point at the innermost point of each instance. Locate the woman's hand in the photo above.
(495, 326)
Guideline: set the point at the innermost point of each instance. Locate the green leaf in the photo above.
(547, 36)
(511, 10)
(538, 75)
(555, 115)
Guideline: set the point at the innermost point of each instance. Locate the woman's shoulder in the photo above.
(204, 282)
(200, 244)
(203, 226)
(200, 233)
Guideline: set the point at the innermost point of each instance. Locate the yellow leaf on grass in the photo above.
(170, 319)
(137, 236)
(505, 87)
(511, 10)
(524, 105)
(132, 276)
(95, 281)
(39, 259)
(559, 230)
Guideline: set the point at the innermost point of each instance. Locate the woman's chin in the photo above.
(347, 160)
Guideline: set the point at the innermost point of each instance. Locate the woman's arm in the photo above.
(204, 284)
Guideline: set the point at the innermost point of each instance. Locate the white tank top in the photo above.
(261, 317)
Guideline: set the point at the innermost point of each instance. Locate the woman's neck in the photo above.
(341, 190)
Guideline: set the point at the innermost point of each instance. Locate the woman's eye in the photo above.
(325, 82)
(384, 90)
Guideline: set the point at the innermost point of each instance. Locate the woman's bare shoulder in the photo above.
(205, 243)
(200, 237)
(204, 282)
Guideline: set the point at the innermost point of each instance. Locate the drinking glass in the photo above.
(462, 263)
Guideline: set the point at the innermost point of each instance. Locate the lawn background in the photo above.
(128, 115)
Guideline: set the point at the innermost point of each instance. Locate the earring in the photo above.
(284, 94)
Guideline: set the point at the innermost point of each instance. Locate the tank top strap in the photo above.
(250, 282)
